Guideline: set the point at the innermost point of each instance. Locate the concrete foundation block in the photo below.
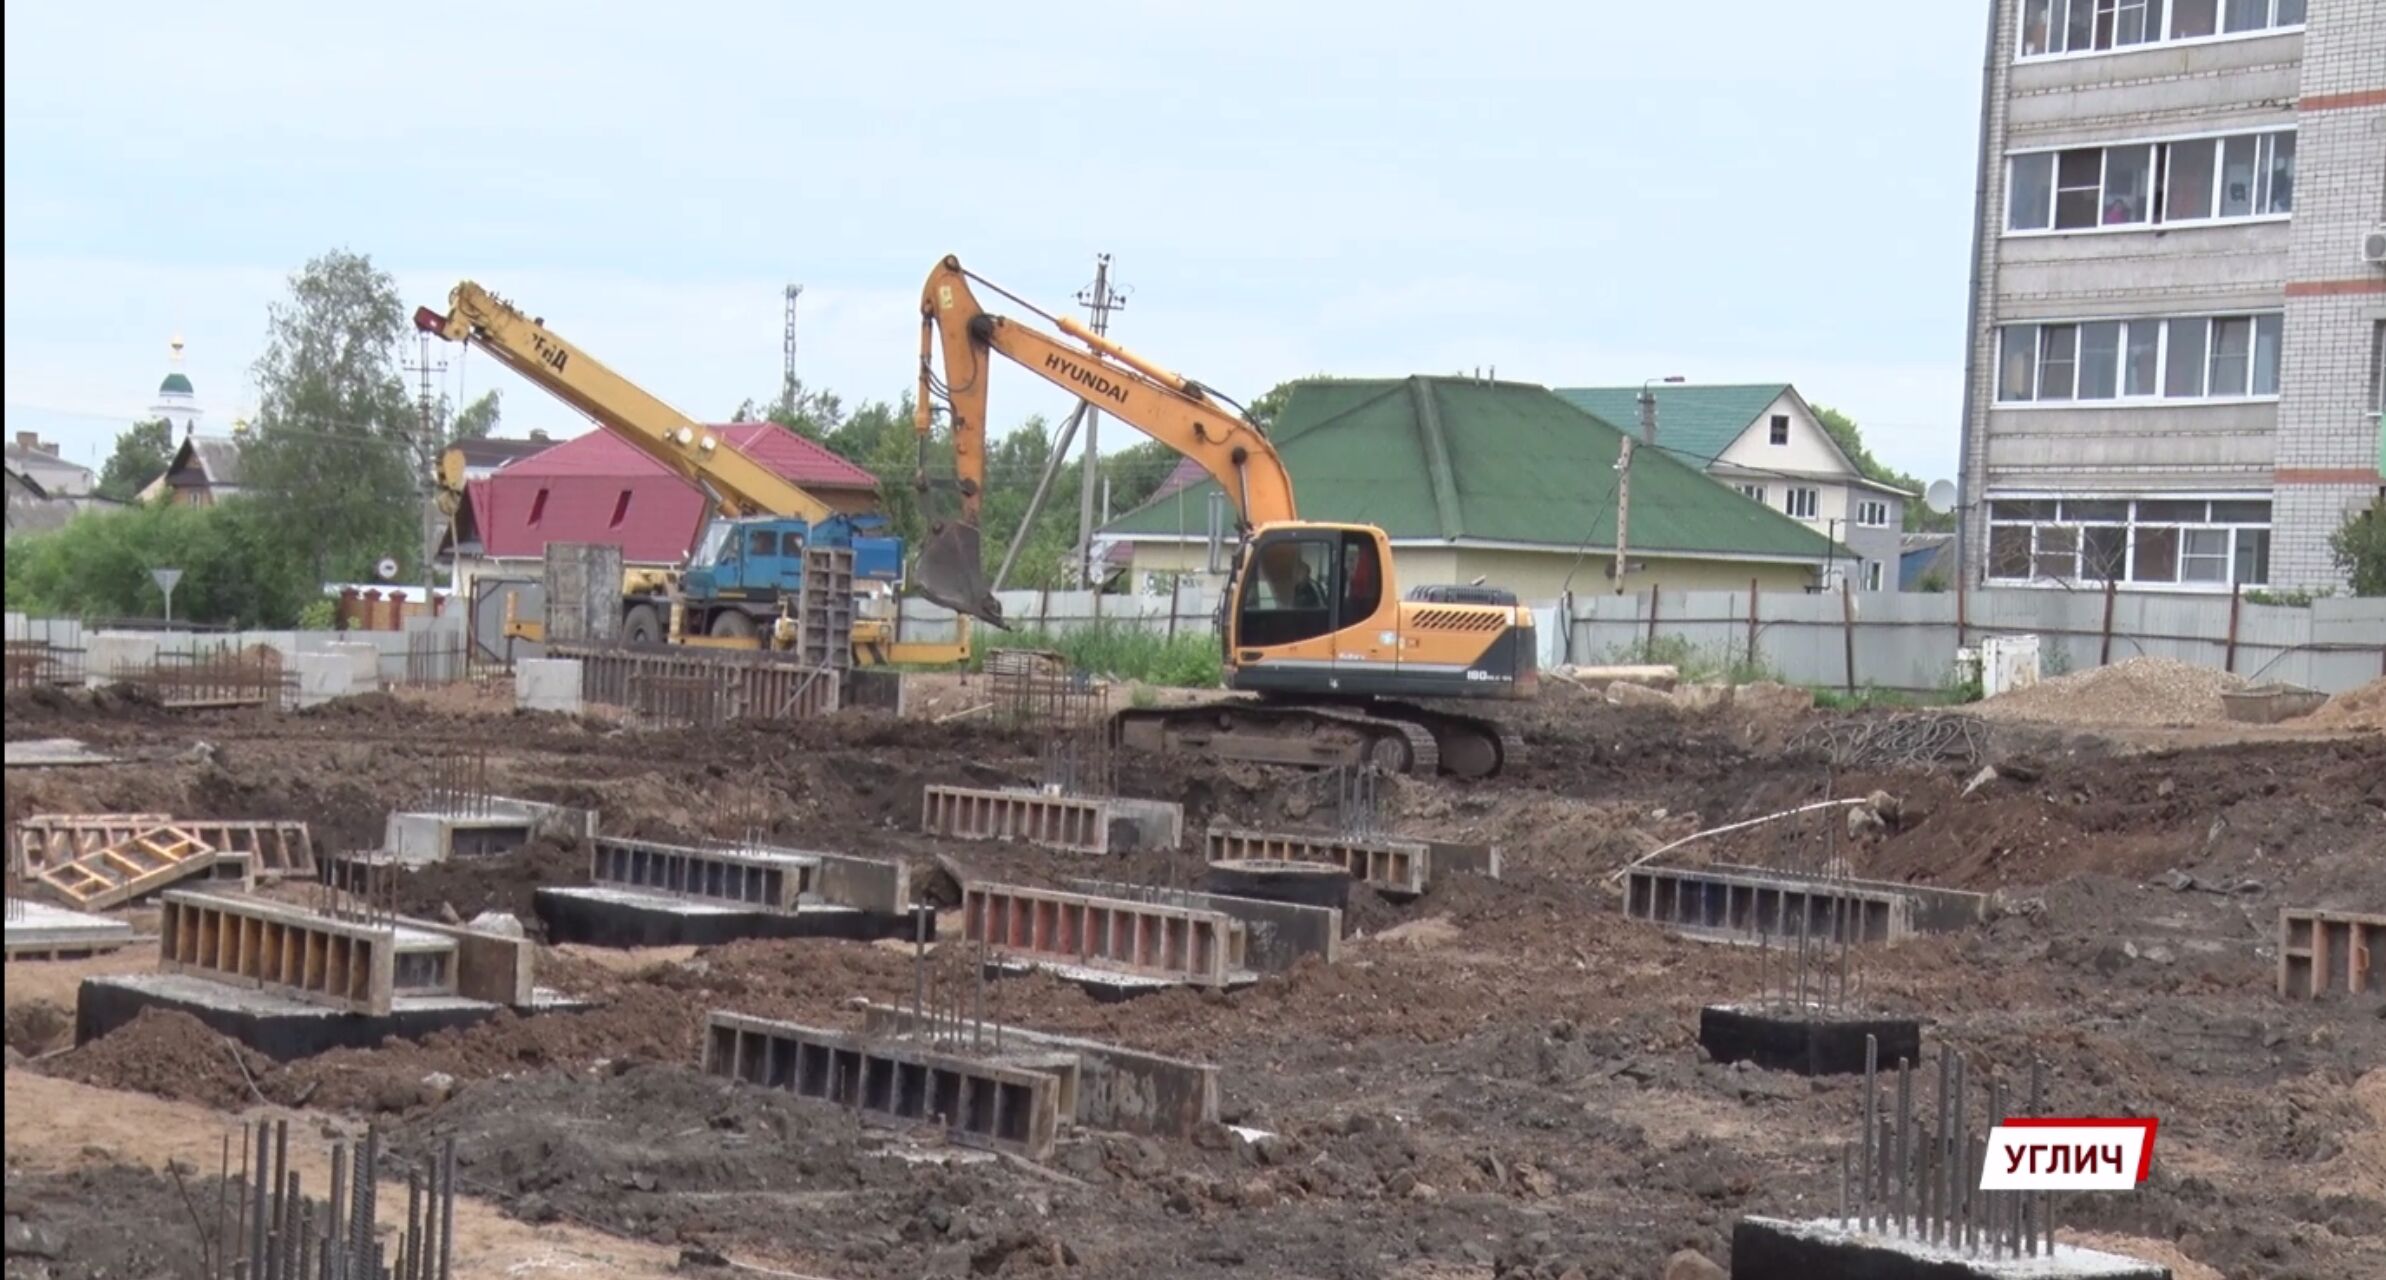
(1809, 1041)
(364, 663)
(1120, 1089)
(323, 677)
(109, 656)
(1777, 1249)
(547, 684)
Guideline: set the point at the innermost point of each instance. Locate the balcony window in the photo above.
(2138, 184)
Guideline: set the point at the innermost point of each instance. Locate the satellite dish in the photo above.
(1940, 497)
(387, 569)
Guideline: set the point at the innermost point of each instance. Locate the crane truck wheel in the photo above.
(642, 625)
(732, 625)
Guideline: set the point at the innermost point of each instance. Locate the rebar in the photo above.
(1872, 1054)
(1913, 740)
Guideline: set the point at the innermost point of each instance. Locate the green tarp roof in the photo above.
(1444, 459)
(1696, 422)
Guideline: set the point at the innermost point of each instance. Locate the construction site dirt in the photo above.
(1500, 1078)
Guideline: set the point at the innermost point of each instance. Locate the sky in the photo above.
(1572, 194)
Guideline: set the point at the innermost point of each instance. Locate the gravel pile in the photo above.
(2136, 692)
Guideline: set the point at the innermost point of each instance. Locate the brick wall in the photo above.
(2327, 440)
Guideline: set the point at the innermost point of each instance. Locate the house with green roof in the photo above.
(1765, 441)
(1501, 481)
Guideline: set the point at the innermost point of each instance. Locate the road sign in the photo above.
(165, 580)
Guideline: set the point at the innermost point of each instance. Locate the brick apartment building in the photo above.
(2178, 323)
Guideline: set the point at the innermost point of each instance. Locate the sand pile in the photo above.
(2360, 708)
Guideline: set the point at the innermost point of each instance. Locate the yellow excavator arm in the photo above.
(1172, 409)
(738, 484)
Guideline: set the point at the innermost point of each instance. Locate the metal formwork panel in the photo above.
(2330, 953)
(1077, 824)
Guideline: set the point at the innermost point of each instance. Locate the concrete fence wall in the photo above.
(1901, 640)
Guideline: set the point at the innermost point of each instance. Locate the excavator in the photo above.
(1312, 622)
(739, 585)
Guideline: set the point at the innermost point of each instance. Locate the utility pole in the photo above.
(1648, 435)
(787, 371)
(424, 368)
(1623, 507)
(1099, 300)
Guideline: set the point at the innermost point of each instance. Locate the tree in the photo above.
(336, 446)
(98, 566)
(2359, 545)
(477, 421)
(1850, 439)
(1264, 410)
(142, 454)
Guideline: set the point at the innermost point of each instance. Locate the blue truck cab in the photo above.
(753, 561)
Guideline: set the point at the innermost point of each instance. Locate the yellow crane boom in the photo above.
(738, 484)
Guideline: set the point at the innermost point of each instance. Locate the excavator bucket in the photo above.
(952, 572)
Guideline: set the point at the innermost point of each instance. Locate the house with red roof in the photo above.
(600, 488)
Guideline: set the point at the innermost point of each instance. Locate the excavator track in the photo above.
(1470, 746)
(1284, 733)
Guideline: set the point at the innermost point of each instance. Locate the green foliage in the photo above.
(333, 453)
(234, 570)
(1119, 652)
(1850, 439)
(476, 421)
(2287, 599)
(1869, 697)
(1934, 582)
(1698, 665)
(1263, 411)
(143, 452)
(2359, 545)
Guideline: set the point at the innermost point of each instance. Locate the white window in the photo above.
(1803, 503)
(1780, 428)
(2140, 359)
(1872, 513)
(2050, 28)
(1755, 491)
(2136, 184)
(1872, 576)
(2194, 542)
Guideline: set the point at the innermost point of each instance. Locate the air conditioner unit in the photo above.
(2373, 246)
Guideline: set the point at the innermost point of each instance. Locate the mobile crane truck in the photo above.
(740, 583)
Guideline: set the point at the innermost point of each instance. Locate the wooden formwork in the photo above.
(2330, 953)
(1079, 824)
(274, 848)
(340, 964)
(773, 881)
(43, 840)
(46, 840)
(1012, 1106)
(142, 863)
(1181, 944)
(1393, 866)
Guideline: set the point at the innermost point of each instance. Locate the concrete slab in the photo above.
(364, 663)
(611, 916)
(1276, 935)
(1779, 1249)
(54, 753)
(280, 1026)
(39, 931)
(547, 684)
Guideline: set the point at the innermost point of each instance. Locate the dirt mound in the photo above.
(171, 1055)
(2136, 692)
(38, 1026)
(2360, 708)
(107, 1220)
